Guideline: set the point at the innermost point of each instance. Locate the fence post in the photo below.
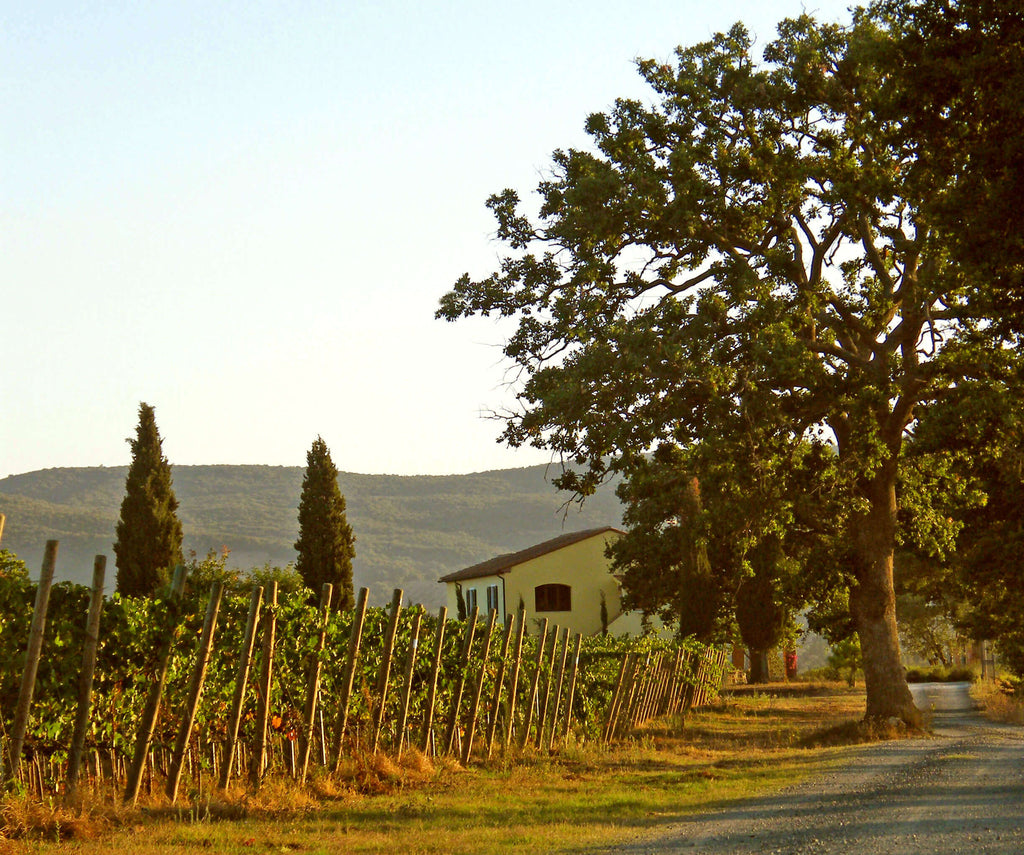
(259, 746)
(474, 706)
(460, 686)
(435, 664)
(3, 519)
(195, 690)
(410, 665)
(92, 637)
(385, 668)
(355, 636)
(35, 648)
(147, 721)
(498, 680)
(241, 679)
(313, 684)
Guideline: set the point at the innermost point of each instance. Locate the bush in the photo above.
(941, 675)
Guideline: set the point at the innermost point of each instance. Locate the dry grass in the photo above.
(588, 796)
(998, 701)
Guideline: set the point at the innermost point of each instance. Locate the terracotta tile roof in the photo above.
(501, 564)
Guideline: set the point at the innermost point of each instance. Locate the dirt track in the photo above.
(961, 791)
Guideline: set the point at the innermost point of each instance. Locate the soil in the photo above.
(958, 790)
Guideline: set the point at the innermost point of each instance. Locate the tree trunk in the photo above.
(873, 606)
(758, 667)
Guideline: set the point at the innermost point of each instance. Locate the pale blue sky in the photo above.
(244, 213)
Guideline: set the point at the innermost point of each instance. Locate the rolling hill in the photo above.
(410, 530)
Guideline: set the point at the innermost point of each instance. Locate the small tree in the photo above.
(326, 544)
(148, 531)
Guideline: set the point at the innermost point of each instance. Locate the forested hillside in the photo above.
(409, 530)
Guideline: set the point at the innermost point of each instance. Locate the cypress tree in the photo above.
(326, 544)
(148, 541)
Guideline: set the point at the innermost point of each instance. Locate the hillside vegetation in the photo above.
(410, 530)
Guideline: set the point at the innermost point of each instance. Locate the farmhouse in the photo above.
(562, 579)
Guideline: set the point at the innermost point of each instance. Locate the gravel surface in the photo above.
(959, 791)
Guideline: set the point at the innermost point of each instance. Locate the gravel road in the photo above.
(959, 791)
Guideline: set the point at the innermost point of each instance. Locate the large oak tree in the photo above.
(745, 252)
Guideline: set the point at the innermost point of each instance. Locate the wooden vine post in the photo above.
(92, 638)
(385, 669)
(259, 747)
(474, 707)
(513, 682)
(195, 690)
(499, 679)
(3, 519)
(542, 706)
(559, 681)
(147, 722)
(355, 636)
(35, 648)
(241, 679)
(410, 665)
(313, 684)
(571, 691)
(534, 683)
(435, 665)
(460, 685)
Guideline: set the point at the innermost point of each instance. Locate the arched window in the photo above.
(553, 598)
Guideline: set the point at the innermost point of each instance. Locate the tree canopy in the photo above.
(326, 544)
(745, 262)
(148, 530)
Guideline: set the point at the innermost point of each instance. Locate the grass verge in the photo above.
(585, 798)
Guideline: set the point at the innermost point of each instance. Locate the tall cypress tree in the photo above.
(148, 541)
(326, 544)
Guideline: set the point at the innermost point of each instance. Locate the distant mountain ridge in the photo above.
(410, 529)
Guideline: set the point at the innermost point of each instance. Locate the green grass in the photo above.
(585, 798)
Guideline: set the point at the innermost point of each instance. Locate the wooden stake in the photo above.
(241, 679)
(460, 686)
(435, 664)
(355, 636)
(92, 638)
(499, 678)
(410, 665)
(147, 722)
(559, 680)
(571, 692)
(35, 648)
(513, 683)
(542, 707)
(195, 690)
(385, 669)
(528, 714)
(259, 747)
(313, 684)
(474, 707)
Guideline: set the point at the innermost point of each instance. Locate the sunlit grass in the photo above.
(586, 797)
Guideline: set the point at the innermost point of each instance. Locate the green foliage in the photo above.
(326, 544)
(960, 66)
(845, 656)
(746, 263)
(148, 531)
(134, 629)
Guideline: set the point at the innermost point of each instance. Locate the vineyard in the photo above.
(212, 682)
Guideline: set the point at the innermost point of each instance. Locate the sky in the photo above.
(245, 213)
